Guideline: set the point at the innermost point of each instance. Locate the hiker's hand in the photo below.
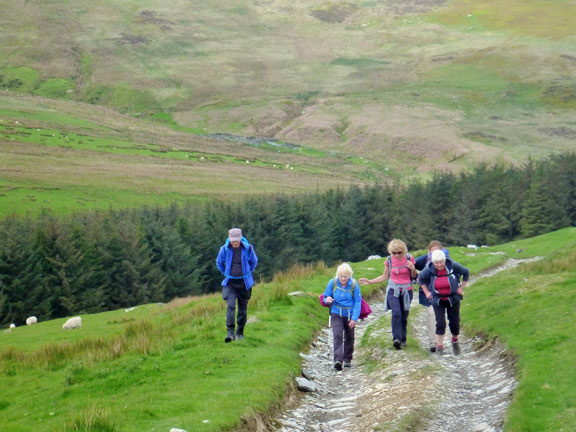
(352, 324)
(459, 291)
(363, 281)
(328, 300)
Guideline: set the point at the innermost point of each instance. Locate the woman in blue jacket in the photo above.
(343, 295)
(236, 261)
(443, 282)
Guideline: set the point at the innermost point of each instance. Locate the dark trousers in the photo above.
(399, 315)
(453, 313)
(343, 338)
(236, 292)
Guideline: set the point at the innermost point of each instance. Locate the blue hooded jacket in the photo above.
(347, 300)
(249, 262)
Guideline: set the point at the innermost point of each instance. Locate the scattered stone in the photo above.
(483, 427)
(305, 385)
(309, 374)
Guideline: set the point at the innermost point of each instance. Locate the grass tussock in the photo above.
(415, 421)
(300, 272)
(92, 420)
(557, 263)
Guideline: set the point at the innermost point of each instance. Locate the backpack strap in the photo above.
(389, 260)
(408, 258)
(335, 286)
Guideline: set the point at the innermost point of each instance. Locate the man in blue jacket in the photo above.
(236, 260)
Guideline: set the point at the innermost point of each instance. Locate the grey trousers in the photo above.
(232, 296)
(343, 338)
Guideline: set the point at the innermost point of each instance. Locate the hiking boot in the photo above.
(440, 349)
(347, 364)
(239, 336)
(230, 336)
(403, 344)
(456, 349)
(454, 340)
(338, 366)
(432, 347)
(397, 344)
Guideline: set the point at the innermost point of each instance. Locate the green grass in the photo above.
(531, 309)
(55, 88)
(44, 116)
(22, 79)
(94, 159)
(63, 199)
(550, 19)
(162, 366)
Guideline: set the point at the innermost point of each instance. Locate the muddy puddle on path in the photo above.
(466, 391)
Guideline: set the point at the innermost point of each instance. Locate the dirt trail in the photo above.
(468, 390)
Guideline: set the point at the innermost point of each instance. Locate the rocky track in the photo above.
(465, 390)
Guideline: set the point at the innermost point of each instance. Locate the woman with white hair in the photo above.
(343, 295)
(443, 282)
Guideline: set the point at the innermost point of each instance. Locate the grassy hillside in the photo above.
(69, 156)
(162, 366)
(380, 89)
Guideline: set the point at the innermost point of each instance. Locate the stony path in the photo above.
(464, 391)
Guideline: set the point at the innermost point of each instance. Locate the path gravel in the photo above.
(469, 390)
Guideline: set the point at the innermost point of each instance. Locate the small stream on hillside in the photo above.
(469, 390)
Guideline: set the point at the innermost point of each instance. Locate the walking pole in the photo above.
(331, 333)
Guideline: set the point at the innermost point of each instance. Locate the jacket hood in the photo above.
(243, 242)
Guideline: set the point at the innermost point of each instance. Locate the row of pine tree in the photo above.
(91, 262)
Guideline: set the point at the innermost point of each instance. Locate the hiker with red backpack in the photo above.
(421, 262)
(342, 293)
(399, 271)
(443, 281)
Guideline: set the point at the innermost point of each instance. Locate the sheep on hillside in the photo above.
(12, 326)
(31, 320)
(73, 323)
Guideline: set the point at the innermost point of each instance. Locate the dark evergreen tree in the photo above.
(96, 261)
(20, 272)
(539, 208)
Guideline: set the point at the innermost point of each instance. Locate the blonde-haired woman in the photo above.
(399, 271)
(343, 295)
